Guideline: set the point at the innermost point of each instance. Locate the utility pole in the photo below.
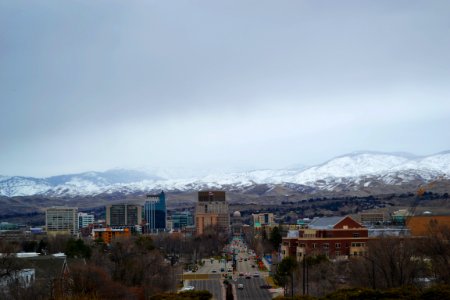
(305, 276)
(292, 284)
(373, 274)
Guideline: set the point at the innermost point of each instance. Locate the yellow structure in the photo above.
(107, 234)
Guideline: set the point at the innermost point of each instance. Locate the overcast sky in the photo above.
(94, 85)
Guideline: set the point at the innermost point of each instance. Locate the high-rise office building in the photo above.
(123, 214)
(61, 220)
(155, 212)
(212, 210)
(85, 219)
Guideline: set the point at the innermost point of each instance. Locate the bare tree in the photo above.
(391, 262)
(436, 247)
(9, 263)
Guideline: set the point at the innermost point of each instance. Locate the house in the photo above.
(335, 237)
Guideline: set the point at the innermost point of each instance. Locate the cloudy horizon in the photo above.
(229, 85)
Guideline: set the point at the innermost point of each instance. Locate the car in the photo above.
(222, 270)
(253, 266)
(256, 274)
(214, 271)
(266, 286)
(241, 274)
(248, 276)
(187, 288)
(240, 286)
(230, 269)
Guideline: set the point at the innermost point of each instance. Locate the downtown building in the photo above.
(123, 215)
(155, 213)
(85, 219)
(212, 210)
(61, 220)
(182, 219)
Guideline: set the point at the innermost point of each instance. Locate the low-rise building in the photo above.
(263, 219)
(107, 234)
(182, 219)
(422, 225)
(372, 218)
(331, 236)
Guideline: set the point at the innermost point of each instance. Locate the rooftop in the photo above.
(325, 222)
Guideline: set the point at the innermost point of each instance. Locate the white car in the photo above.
(240, 286)
(187, 288)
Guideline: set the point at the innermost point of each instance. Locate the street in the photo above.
(209, 276)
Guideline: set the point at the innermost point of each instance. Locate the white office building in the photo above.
(84, 219)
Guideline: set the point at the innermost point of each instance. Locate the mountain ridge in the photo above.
(341, 172)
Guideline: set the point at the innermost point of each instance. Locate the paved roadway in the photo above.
(213, 286)
(252, 290)
(252, 285)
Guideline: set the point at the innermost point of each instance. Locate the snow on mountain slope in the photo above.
(438, 163)
(355, 170)
(352, 165)
(22, 186)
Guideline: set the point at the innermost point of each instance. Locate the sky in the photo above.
(224, 85)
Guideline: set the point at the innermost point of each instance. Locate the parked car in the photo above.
(187, 288)
(266, 286)
(256, 274)
(240, 286)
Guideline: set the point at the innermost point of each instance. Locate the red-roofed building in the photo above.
(331, 236)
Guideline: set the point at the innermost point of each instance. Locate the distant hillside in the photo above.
(354, 173)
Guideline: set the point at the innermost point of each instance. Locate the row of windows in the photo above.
(327, 245)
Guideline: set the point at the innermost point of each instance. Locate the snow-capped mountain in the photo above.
(357, 170)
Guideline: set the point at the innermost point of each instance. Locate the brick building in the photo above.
(108, 234)
(331, 236)
(212, 210)
(421, 225)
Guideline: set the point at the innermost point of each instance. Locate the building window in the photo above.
(302, 245)
(355, 234)
(338, 245)
(338, 253)
(314, 245)
(326, 246)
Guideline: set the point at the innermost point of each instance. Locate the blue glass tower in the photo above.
(155, 212)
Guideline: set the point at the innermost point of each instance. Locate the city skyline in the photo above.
(237, 85)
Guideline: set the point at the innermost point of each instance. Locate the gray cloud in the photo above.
(241, 84)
